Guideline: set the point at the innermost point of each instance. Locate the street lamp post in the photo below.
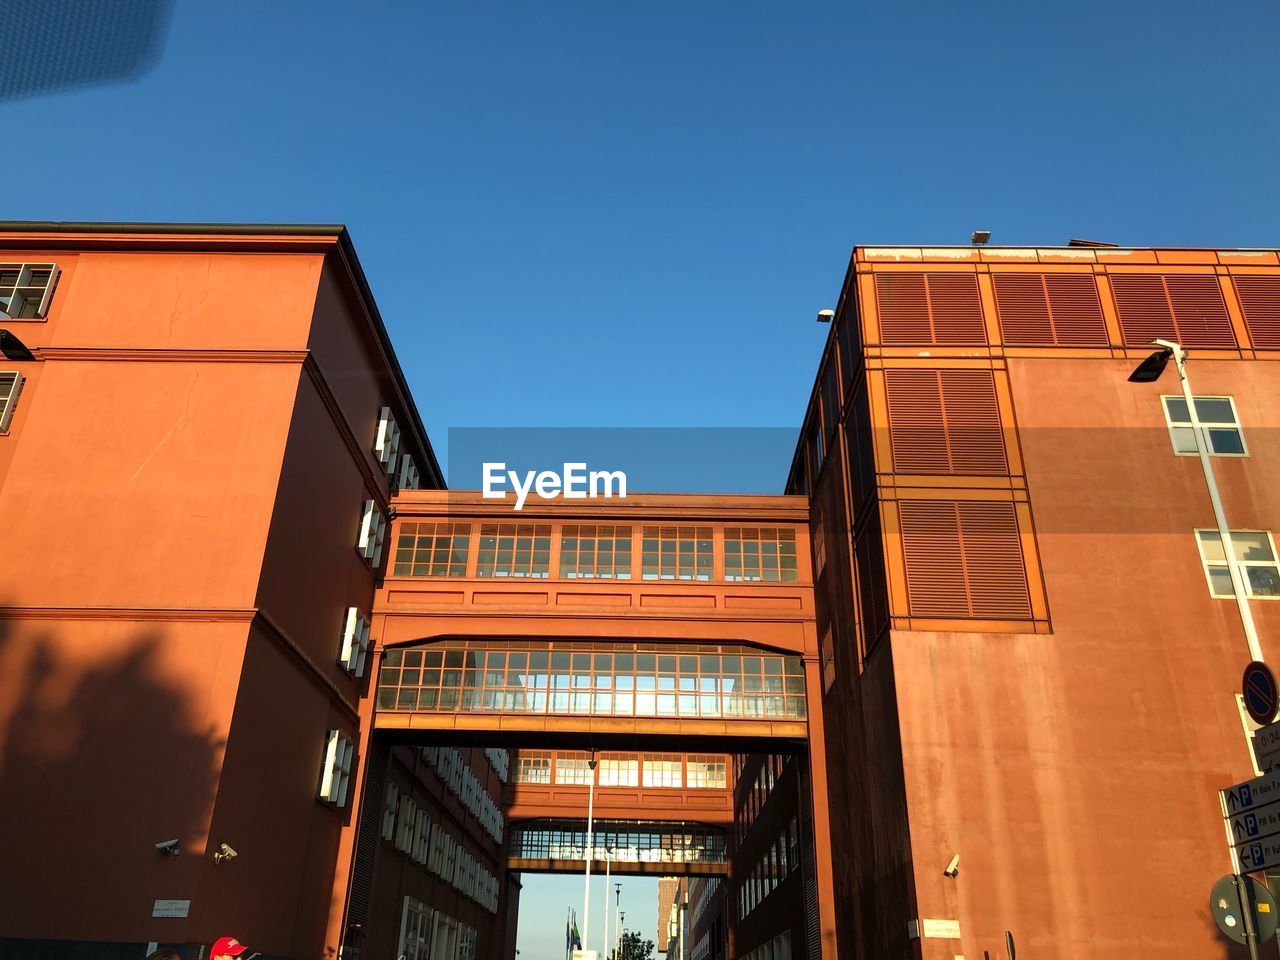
(1148, 372)
(586, 873)
(604, 941)
(622, 935)
(617, 910)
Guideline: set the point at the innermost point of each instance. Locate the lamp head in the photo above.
(1150, 369)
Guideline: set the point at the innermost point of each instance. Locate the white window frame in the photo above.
(24, 280)
(421, 837)
(10, 403)
(386, 445)
(410, 478)
(335, 773)
(664, 771)
(618, 771)
(391, 806)
(1205, 426)
(355, 643)
(1243, 565)
(416, 926)
(406, 820)
(373, 532)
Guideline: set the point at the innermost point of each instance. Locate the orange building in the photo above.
(263, 677)
(193, 480)
(1030, 659)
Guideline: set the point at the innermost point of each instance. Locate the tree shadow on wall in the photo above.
(101, 758)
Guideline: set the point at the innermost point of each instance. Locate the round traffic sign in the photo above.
(1260, 692)
(1228, 910)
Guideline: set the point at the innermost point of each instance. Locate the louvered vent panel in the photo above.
(1260, 300)
(964, 560)
(956, 308)
(917, 428)
(945, 421)
(942, 308)
(1188, 309)
(1023, 308)
(1049, 309)
(1199, 311)
(1076, 310)
(904, 308)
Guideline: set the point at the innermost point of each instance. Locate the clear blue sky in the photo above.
(598, 213)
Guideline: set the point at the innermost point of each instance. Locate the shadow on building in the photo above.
(101, 758)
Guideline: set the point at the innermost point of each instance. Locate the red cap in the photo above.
(228, 947)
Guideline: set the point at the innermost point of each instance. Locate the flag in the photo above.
(575, 939)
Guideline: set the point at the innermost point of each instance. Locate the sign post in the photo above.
(1251, 817)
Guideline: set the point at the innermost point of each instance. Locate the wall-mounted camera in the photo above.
(224, 854)
(170, 848)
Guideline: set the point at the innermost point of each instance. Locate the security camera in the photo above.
(169, 848)
(953, 867)
(224, 854)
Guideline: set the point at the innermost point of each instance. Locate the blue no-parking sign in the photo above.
(1260, 692)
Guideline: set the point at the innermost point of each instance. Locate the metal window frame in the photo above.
(1206, 563)
(355, 643)
(24, 277)
(10, 403)
(1205, 425)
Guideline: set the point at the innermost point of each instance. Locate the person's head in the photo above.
(163, 954)
(229, 947)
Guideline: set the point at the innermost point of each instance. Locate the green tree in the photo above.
(633, 948)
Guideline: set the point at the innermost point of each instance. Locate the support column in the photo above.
(822, 859)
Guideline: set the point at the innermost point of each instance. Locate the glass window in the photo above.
(432, 550)
(1218, 420)
(619, 771)
(533, 766)
(10, 386)
(830, 396)
(1256, 556)
(677, 553)
(573, 768)
(514, 550)
(707, 771)
(595, 551)
(663, 770)
(760, 553)
(25, 289)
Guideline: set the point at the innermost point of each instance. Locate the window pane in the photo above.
(1225, 440)
(1211, 544)
(1184, 439)
(1213, 410)
(1220, 581)
(1264, 581)
(1251, 545)
(1177, 409)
